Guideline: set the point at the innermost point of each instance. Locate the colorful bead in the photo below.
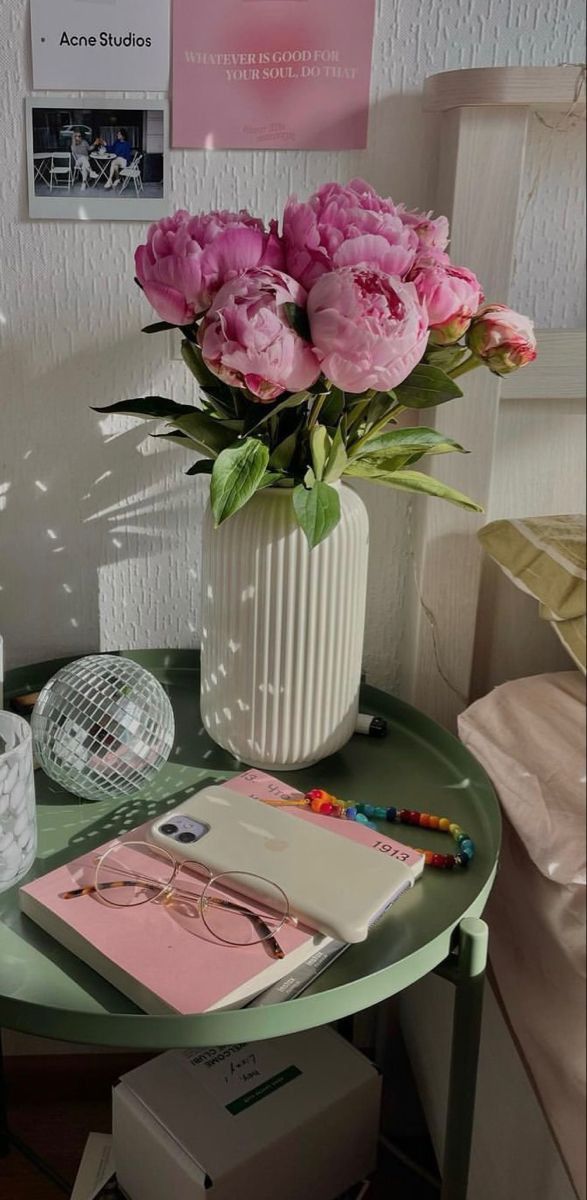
(322, 802)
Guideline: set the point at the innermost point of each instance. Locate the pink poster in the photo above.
(265, 74)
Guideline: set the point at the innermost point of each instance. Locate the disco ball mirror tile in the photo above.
(102, 727)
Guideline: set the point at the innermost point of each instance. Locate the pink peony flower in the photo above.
(504, 339)
(247, 341)
(432, 231)
(187, 259)
(345, 226)
(369, 330)
(451, 296)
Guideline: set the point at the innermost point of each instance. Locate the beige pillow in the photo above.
(545, 557)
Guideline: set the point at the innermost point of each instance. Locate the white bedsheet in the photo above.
(530, 737)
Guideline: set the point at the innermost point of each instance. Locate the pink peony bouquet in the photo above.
(307, 345)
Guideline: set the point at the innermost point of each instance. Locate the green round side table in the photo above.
(46, 990)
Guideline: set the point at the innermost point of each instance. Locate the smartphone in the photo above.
(333, 884)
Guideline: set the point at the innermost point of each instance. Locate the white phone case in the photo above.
(333, 884)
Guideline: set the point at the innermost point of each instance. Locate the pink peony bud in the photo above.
(247, 340)
(432, 231)
(369, 330)
(451, 296)
(345, 226)
(504, 339)
(187, 259)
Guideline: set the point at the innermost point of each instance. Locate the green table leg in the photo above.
(4, 1134)
(468, 976)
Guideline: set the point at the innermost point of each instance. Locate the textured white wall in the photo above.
(99, 534)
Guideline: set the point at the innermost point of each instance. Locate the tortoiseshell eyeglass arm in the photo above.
(268, 937)
(92, 890)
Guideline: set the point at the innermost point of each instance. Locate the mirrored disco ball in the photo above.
(102, 727)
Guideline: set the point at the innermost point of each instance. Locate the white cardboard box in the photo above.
(294, 1118)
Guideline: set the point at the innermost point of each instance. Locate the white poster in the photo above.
(100, 44)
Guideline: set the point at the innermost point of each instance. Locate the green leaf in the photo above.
(158, 327)
(356, 414)
(218, 394)
(179, 439)
(446, 357)
(298, 319)
(409, 441)
(293, 401)
(218, 401)
(426, 387)
(203, 466)
(333, 408)
(207, 432)
(282, 455)
(337, 459)
(380, 406)
(148, 407)
(317, 511)
(411, 481)
(192, 357)
(320, 448)
(238, 472)
(269, 479)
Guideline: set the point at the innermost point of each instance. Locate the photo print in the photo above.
(89, 160)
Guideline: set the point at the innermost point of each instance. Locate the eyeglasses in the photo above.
(123, 879)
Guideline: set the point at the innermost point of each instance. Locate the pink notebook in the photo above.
(165, 962)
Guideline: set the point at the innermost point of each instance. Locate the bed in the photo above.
(483, 655)
(529, 1136)
(530, 736)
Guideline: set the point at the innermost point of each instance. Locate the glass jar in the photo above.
(18, 817)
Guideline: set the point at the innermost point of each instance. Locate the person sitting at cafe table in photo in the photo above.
(122, 150)
(81, 150)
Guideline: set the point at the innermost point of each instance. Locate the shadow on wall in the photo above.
(76, 538)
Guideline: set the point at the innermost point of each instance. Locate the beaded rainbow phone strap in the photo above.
(322, 802)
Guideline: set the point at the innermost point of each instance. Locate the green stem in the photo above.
(317, 409)
(376, 428)
(471, 364)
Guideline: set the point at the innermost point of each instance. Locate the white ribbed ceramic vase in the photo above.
(282, 632)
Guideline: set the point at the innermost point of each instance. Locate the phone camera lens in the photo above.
(168, 830)
(187, 837)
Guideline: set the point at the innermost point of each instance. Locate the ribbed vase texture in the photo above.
(282, 632)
